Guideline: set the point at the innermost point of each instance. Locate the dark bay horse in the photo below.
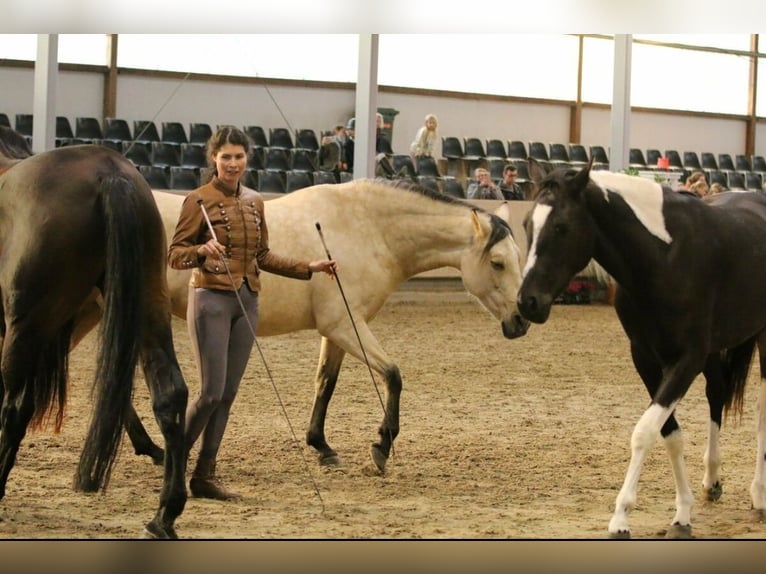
(79, 224)
(690, 297)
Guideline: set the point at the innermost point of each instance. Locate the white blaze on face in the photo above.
(539, 217)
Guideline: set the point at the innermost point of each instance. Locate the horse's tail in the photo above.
(120, 331)
(736, 367)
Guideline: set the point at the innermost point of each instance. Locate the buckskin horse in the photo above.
(690, 276)
(79, 224)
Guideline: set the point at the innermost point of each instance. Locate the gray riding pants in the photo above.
(222, 342)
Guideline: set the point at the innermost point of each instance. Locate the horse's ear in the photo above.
(583, 176)
(480, 228)
(503, 211)
(536, 171)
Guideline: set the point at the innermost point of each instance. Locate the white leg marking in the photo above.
(712, 457)
(674, 443)
(539, 216)
(758, 487)
(644, 434)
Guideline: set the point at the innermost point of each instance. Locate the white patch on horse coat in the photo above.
(643, 196)
(539, 215)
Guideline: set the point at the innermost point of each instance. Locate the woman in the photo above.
(221, 336)
(424, 143)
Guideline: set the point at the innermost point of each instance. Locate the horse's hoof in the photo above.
(379, 458)
(714, 492)
(154, 531)
(758, 515)
(620, 535)
(158, 457)
(330, 460)
(679, 532)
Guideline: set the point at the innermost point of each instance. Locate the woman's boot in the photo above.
(205, 484)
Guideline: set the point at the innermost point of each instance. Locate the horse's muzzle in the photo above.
(516, 327)
(533, 309)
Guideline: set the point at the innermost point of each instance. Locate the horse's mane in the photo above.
(13, 145)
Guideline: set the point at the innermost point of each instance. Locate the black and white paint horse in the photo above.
(691, 277)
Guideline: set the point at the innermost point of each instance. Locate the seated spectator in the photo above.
(716, 188)
(332, 152)
(508, 187)
(426, 137)
(483, 187)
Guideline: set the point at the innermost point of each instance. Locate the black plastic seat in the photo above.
(155, 176)
(517, 149)
(676, 163)
(183, 177)
(192, 155)
(692, 161)
(708, 161)
(276, 159)
(199, 132)
(452, 186)
(719, 177)
(64, 128)
(256, 159)
(496, 148)
(599, 155)
(427, 166)
(753, 181)
(403, 165)
(117, 129)
(636, 158)
(452, 147)
(145, 131)
(429, 182)
(473, 149)
(736, 180)
(297, 180)
(88, 129)
(138, 153)
(5, 120)
(24, 124)
(174, 132)
(280, 138)
(165, 154)
(257, 135)
(495, 166)
(742, 162)
(116, 145)
(558, 154)
(725, 162)
(323, 177)
(270, 181)
(303, 159)
(306, 138)
(759, 163)
(539, 151)
(652, 157)
(578, 155)
(250, 178)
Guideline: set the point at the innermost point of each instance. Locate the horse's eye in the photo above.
(497, 265)
(560, 229)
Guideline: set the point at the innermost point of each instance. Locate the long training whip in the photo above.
(356, 331)
(263, 358)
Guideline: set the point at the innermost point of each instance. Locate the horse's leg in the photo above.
(330, 360)
(378, 361)
(169, 397)
(758, 486)
(666, 389)
(714, 391)
(85, 320)
(17, 368)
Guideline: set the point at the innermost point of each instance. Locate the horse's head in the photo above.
(560, 236)
(491, 271)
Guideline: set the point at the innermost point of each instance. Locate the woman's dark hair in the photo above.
(222, 136)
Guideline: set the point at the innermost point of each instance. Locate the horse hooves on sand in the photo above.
(330, 460)
(379, 458)
(154, 531)
(679, 532)
(758, 515)
(714, 492)
(621, 535)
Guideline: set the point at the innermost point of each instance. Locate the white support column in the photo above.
(44, 101)
(620, 142)
(366, 106)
